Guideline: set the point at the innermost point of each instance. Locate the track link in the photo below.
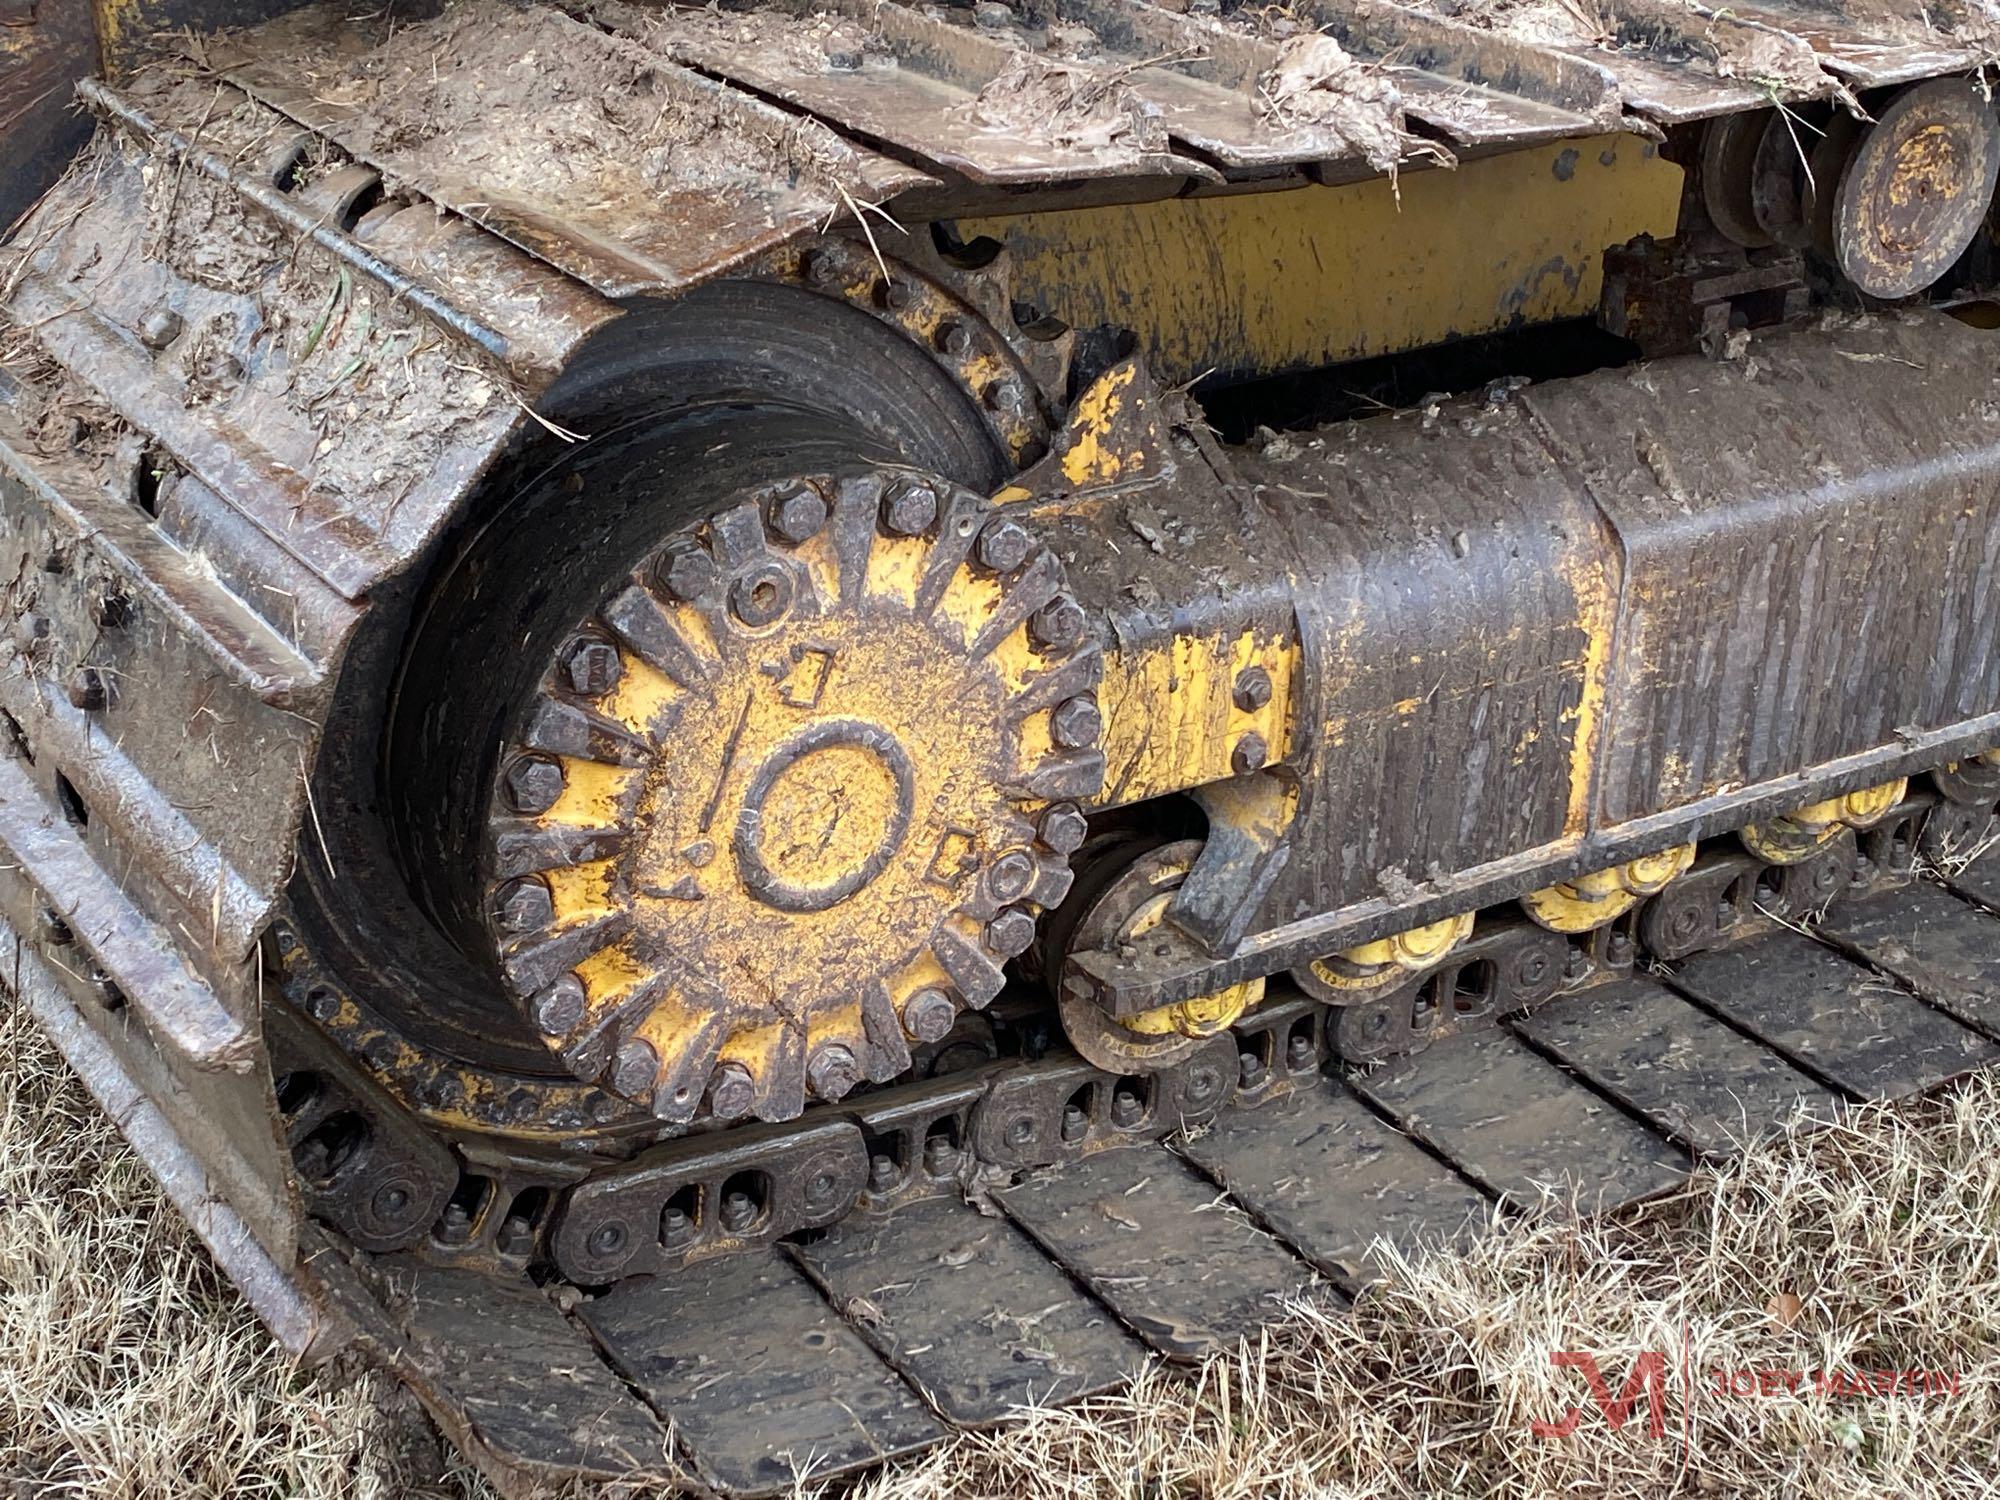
(1843, 979)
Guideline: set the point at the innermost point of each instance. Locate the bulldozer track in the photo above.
(856, 1343)
(1549, 748)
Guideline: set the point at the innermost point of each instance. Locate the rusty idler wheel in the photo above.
(1917, 188)
(792, 796)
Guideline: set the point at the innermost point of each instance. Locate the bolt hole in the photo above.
(147, 478)
(360, 204)
(746, 1202)
(1301, 1036)
(764, 595)
(285, 175)
(1472, 987)
(964, 255)
(71, 802)
(531, 1205)
(296, 1091)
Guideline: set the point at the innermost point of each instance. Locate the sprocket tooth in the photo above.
(567, 729)
(526, 847)
(1039, 581)
(978, 977)
(1071, 775)
(856, 513)
(645, 625)
(534, 966)
(683, 1080)
(888, 1049)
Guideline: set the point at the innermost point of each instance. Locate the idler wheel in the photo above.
(1917, 188)
(1127, 910)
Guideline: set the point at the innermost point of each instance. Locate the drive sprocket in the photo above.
(790, 798)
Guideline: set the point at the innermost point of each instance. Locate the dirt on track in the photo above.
(133, 1370)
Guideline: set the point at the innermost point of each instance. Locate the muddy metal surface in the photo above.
(310, 285)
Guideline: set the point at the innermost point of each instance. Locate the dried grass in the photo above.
(127, 1368)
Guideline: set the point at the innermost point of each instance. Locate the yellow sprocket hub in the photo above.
(796, 794)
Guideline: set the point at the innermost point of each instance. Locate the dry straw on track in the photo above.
(128, 1369)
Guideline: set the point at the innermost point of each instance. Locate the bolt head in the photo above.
(1075, 1123)
(731, 1092)
(559, 1007)
(882, 1173)
(954, 338)
(832, 1072)
(1300, 1053)
(160, 327)
(1126, 1108)
(761, 596)
(1057, 625)
(1010, 875)
(607, 1239)
(1076, 723)
(1063, 827)
(928, 1015)
(739, 1212)
(1002, 546)
(1248, 755)
(635, 1069)
(391, 1201)
(941, 1156)
(676, 1228)
(594, 667)
(86, 689)
(1253, 689)
(909, 507)
(1011, 933)
(798, 516)
(687, 572)
(517, 1236)
(526, 906)
(534, 783)
(1250, 1068)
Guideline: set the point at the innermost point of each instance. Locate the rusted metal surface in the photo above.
(630, 173)
(1920, 182)
(1834, 1018)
